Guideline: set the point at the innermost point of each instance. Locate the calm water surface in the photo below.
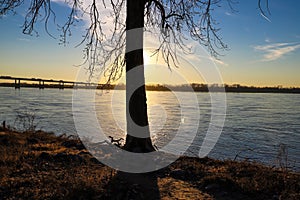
(256, 125)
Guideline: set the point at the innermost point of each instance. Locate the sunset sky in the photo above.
(263, 51)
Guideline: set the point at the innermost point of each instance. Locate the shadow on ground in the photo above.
(125, 186)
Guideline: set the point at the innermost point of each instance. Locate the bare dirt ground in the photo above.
(40, 165)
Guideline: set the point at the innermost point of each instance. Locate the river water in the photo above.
(259, 127)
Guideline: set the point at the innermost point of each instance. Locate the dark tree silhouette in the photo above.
(174, 19)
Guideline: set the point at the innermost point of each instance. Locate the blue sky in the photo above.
(263, 52)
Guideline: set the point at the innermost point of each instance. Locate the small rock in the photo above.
(32, 140)
(45, 156)
(95, 161)
(68, 158)
(178, 174)
(212, 187)
(73, 143)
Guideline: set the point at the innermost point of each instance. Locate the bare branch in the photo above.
(9, 6)
(178, 19)
(105, 48)
(38, 9)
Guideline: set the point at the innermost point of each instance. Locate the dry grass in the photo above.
(40, 165)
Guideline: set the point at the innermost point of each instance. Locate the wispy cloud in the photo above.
(220, 62)
(3, 16)
(268, 40)
(59, 1)
(228, 13)
(24, 39)
(276, 51)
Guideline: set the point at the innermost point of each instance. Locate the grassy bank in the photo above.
(39, 165)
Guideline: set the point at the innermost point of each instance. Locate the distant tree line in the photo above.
(200, 87)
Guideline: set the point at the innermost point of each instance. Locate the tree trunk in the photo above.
(138, 133)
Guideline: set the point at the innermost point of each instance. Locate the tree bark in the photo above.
(137, 140)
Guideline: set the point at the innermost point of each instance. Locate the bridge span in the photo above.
(18, 82)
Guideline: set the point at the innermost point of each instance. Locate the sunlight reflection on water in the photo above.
(256, 124)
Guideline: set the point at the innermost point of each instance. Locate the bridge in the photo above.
(18, 82)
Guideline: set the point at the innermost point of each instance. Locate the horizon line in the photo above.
(5, 77)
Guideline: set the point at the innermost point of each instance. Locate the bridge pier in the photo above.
(41, 84)
(75, 85)
(17, 83)
(61, 85)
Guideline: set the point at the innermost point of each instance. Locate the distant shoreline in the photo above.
(183, 88)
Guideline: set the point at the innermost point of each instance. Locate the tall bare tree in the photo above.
(174, 19)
